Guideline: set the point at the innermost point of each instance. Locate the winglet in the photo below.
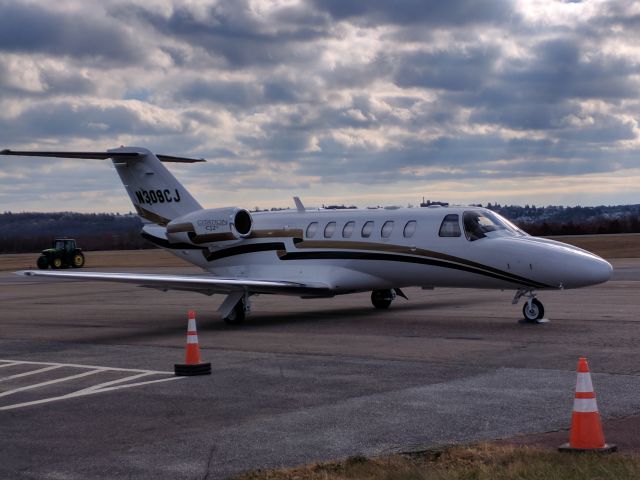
(299, 205)
(24, 273)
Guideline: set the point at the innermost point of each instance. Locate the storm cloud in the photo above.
(350, 101)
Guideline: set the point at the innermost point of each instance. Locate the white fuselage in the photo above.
(367, 249)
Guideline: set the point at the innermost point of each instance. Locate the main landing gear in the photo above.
(532, 310)
(382, 299)
(239, 312)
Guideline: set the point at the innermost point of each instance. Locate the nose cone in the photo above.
(587, 270)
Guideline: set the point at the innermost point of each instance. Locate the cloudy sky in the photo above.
(337, 101)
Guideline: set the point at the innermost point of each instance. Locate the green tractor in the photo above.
(63, 254)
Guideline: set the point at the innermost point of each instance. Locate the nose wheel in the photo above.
(533, 310)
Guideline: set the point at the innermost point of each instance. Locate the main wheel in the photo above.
(237, 315)
(381, 298)
(43, 262)
(534, 311)
(77, 260)
(56, 263)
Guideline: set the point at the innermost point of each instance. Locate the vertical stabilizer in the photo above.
(155, 193)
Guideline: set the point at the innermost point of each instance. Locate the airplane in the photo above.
(315, 253)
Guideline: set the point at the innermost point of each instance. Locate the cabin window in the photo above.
(312, 229)
(387, 228)
(367, 228)
(329, 229)
(450, 226)
(410, 228)
(348, 229)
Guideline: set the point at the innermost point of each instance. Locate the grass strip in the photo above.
(478, 462)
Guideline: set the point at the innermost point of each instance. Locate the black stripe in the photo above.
(242, 249)
(330, 255)
(161, 242)
(480, 269)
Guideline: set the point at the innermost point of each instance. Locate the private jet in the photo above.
(313, 253)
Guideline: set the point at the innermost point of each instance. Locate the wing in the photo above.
(206, 284)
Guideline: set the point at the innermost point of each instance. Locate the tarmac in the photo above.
(87, 387)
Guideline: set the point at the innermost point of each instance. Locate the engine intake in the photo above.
(210, 225)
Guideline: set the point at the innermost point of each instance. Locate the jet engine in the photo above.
(210, 225)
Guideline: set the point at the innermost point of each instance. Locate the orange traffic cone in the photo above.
(193, 366)
(586, 428)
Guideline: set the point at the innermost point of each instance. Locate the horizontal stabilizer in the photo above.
(98, 155)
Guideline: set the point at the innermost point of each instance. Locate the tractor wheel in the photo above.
(56, 263)
(77, 260)
(43, 262)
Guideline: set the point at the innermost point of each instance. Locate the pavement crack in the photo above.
(207, 471)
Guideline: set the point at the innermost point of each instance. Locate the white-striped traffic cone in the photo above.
(586, 426)
(192, 365)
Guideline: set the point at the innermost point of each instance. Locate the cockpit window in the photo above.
(450, 226)
(481, 224)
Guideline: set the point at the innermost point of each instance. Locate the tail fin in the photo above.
(155, 193)
(153, 190)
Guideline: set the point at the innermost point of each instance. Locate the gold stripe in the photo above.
(279, 233)
(383, 247)
(152, 217)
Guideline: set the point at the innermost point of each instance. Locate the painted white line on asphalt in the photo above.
(128, 385)
(86, 392)
(10, 364)
(32, 372)
(75, 365)
(51, 382)
(120, 383)
(100, 386)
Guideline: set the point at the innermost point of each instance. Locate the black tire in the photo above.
(237, 315)
(534, 312)
(77, 261)
(57, 263)
(43, 262)
(381, 299)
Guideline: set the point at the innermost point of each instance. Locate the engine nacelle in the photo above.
(210, 225)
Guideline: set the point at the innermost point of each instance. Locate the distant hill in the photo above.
(559, 220)
(32, 232)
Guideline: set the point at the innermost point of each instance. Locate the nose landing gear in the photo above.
(532, 310)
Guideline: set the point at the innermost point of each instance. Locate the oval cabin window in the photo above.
(410, 228)
(367, 228)
(312, 229)
(329, 229)
(450, 226)
(387, 228)
(347, 231)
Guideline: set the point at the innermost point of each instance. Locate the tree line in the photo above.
(32, 232)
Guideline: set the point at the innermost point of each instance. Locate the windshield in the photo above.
(481, 224)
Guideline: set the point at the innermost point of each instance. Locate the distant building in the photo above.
(428, 203)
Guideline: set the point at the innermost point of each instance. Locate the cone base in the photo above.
(608, 448)
(183, 370)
